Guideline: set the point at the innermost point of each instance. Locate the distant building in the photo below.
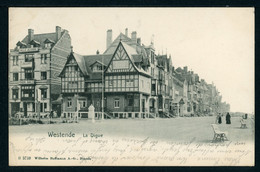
(34, 66)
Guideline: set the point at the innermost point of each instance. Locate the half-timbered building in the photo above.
(81, 83)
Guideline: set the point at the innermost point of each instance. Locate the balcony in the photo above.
(27, 64)
(27, 98)
(26, 50)
(132, 109)
(27, 82)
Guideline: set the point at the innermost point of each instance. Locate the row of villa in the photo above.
(129, 80)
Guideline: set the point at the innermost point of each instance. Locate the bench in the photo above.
(243, 123)
(219, 135)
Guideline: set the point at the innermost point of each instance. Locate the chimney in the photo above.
(139, 41)
(109, 37)
(58, 32)
(30, 34)
(185, 69)
(126, 32)
(71, 49)
(133, 36)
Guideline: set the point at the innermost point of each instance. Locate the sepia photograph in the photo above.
(131, 86)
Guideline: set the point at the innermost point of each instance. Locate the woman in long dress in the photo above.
(228, 117)
(219, 119)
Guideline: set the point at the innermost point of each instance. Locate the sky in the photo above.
(215, 43)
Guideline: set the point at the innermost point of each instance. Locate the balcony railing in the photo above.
(26, 50)
(27, 81)
(132, 109)
(27, 98)
(27, 64)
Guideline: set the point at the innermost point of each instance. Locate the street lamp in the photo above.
(102, 100)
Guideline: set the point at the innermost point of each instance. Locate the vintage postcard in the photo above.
(131, 87)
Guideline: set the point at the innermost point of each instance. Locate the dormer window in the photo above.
(48, 43)
(20, 45)
(34, 43)
(97, 67)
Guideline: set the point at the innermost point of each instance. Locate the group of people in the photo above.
(219, 118)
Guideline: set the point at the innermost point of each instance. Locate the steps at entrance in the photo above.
(106, 114)
(151, 115)
(171, 115)
(165, 114)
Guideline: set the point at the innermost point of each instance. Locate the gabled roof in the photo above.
(137, 58)
(22, 44)
(135, 49)
(120, 38)
(33, 42)
(81, 63)
(131, 51)
(48, 41)
(91, 59)
(98, 62)
(42, 37)
(85, 62)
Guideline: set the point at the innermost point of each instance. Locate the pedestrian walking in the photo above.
(228, 119)
(219, 119)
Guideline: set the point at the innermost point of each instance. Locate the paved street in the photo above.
(176, 129)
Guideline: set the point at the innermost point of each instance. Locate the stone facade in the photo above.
(34, 65)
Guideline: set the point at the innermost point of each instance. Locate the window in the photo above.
(44, 93)
(129, 83)
(29, 58)
(153, 87)
(72, 84)
(116, 103)
(130, 100)
(43, 107)
(28, 74)
(43, 58)
(110, 83)
(15, 60)
(83, 103)
(47, 45)
(152, 57)
(97, 68)
(15, 93)
(43, 75)
(15, 77)
(69, 103)
(27, 91)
